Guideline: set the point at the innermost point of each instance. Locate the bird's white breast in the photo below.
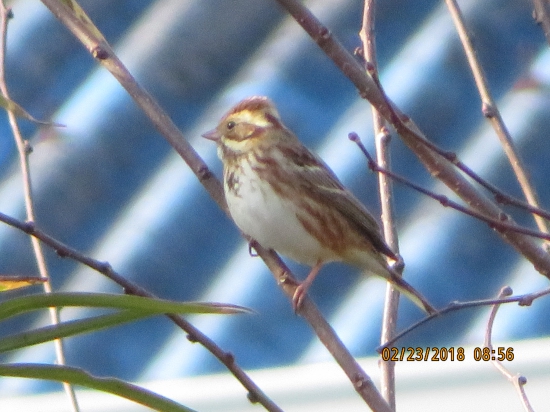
(269, 218)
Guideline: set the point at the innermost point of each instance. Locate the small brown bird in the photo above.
(287, 199)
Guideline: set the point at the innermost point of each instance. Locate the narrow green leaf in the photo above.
(77, 376)
(67, 329)
(24, 304)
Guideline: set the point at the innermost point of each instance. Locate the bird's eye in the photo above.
(230, 125)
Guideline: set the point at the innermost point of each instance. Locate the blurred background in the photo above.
(109, 185)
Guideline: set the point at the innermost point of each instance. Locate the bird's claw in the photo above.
(252, 249)
(399, 264)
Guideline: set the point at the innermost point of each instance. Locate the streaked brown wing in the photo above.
(358, 215)
(320, 181)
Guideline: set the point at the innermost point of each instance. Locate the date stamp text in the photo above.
(443, 354)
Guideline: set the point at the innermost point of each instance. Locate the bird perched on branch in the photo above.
(287, 199)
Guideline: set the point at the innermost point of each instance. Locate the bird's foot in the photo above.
(298, 297)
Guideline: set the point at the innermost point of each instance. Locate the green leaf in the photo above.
(77, 376)
(152, 306)
(67, 329)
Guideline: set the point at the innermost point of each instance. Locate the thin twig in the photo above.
(382, 140)
(411, 135)
(517, 380)
(499, 195)
(24, 150)
(541, 14)
(491, 112)
(502, 223)
(522, 300)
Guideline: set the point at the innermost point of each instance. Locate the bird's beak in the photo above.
(213, 135)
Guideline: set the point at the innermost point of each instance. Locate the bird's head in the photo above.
(250, 123)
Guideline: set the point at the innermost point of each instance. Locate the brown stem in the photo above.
(503, 222)
(382, 140)
(522, 300)
(541, 14)
(517, 380)
(24, 150)
(499, 195)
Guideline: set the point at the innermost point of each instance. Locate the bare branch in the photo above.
(517, 380)
(382, 140)
(24, 150)
(491, 112)
(499, 195)
(502, 222)
(541, 14)
(522, 300)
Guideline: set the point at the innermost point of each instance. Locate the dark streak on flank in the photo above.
(232, 181)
